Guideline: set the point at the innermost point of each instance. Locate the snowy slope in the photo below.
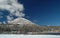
(28, 36)
(21, 21)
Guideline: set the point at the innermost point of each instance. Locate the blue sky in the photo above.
(42, 12)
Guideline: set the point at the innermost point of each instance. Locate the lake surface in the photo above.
(28, 36)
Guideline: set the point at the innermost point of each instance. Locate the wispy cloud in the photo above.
(14, 8)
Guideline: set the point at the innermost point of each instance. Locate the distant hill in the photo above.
(24, 26)
(21, 21)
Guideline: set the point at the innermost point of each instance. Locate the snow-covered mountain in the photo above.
(21, 21)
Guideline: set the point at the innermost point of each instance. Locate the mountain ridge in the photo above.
(21, 21)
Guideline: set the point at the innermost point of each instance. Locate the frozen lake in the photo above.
(28, 36)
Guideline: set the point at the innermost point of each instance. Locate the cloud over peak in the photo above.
(14, 8)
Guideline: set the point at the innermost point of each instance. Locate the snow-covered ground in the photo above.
(29, 36)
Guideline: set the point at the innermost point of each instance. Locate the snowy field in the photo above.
(29, 36)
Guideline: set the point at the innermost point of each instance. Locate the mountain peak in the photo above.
(21, 21)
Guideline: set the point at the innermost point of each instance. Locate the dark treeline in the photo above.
(22, 29)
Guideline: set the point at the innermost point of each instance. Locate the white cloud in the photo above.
(4, 22)
(13, 7)
(9, 18)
